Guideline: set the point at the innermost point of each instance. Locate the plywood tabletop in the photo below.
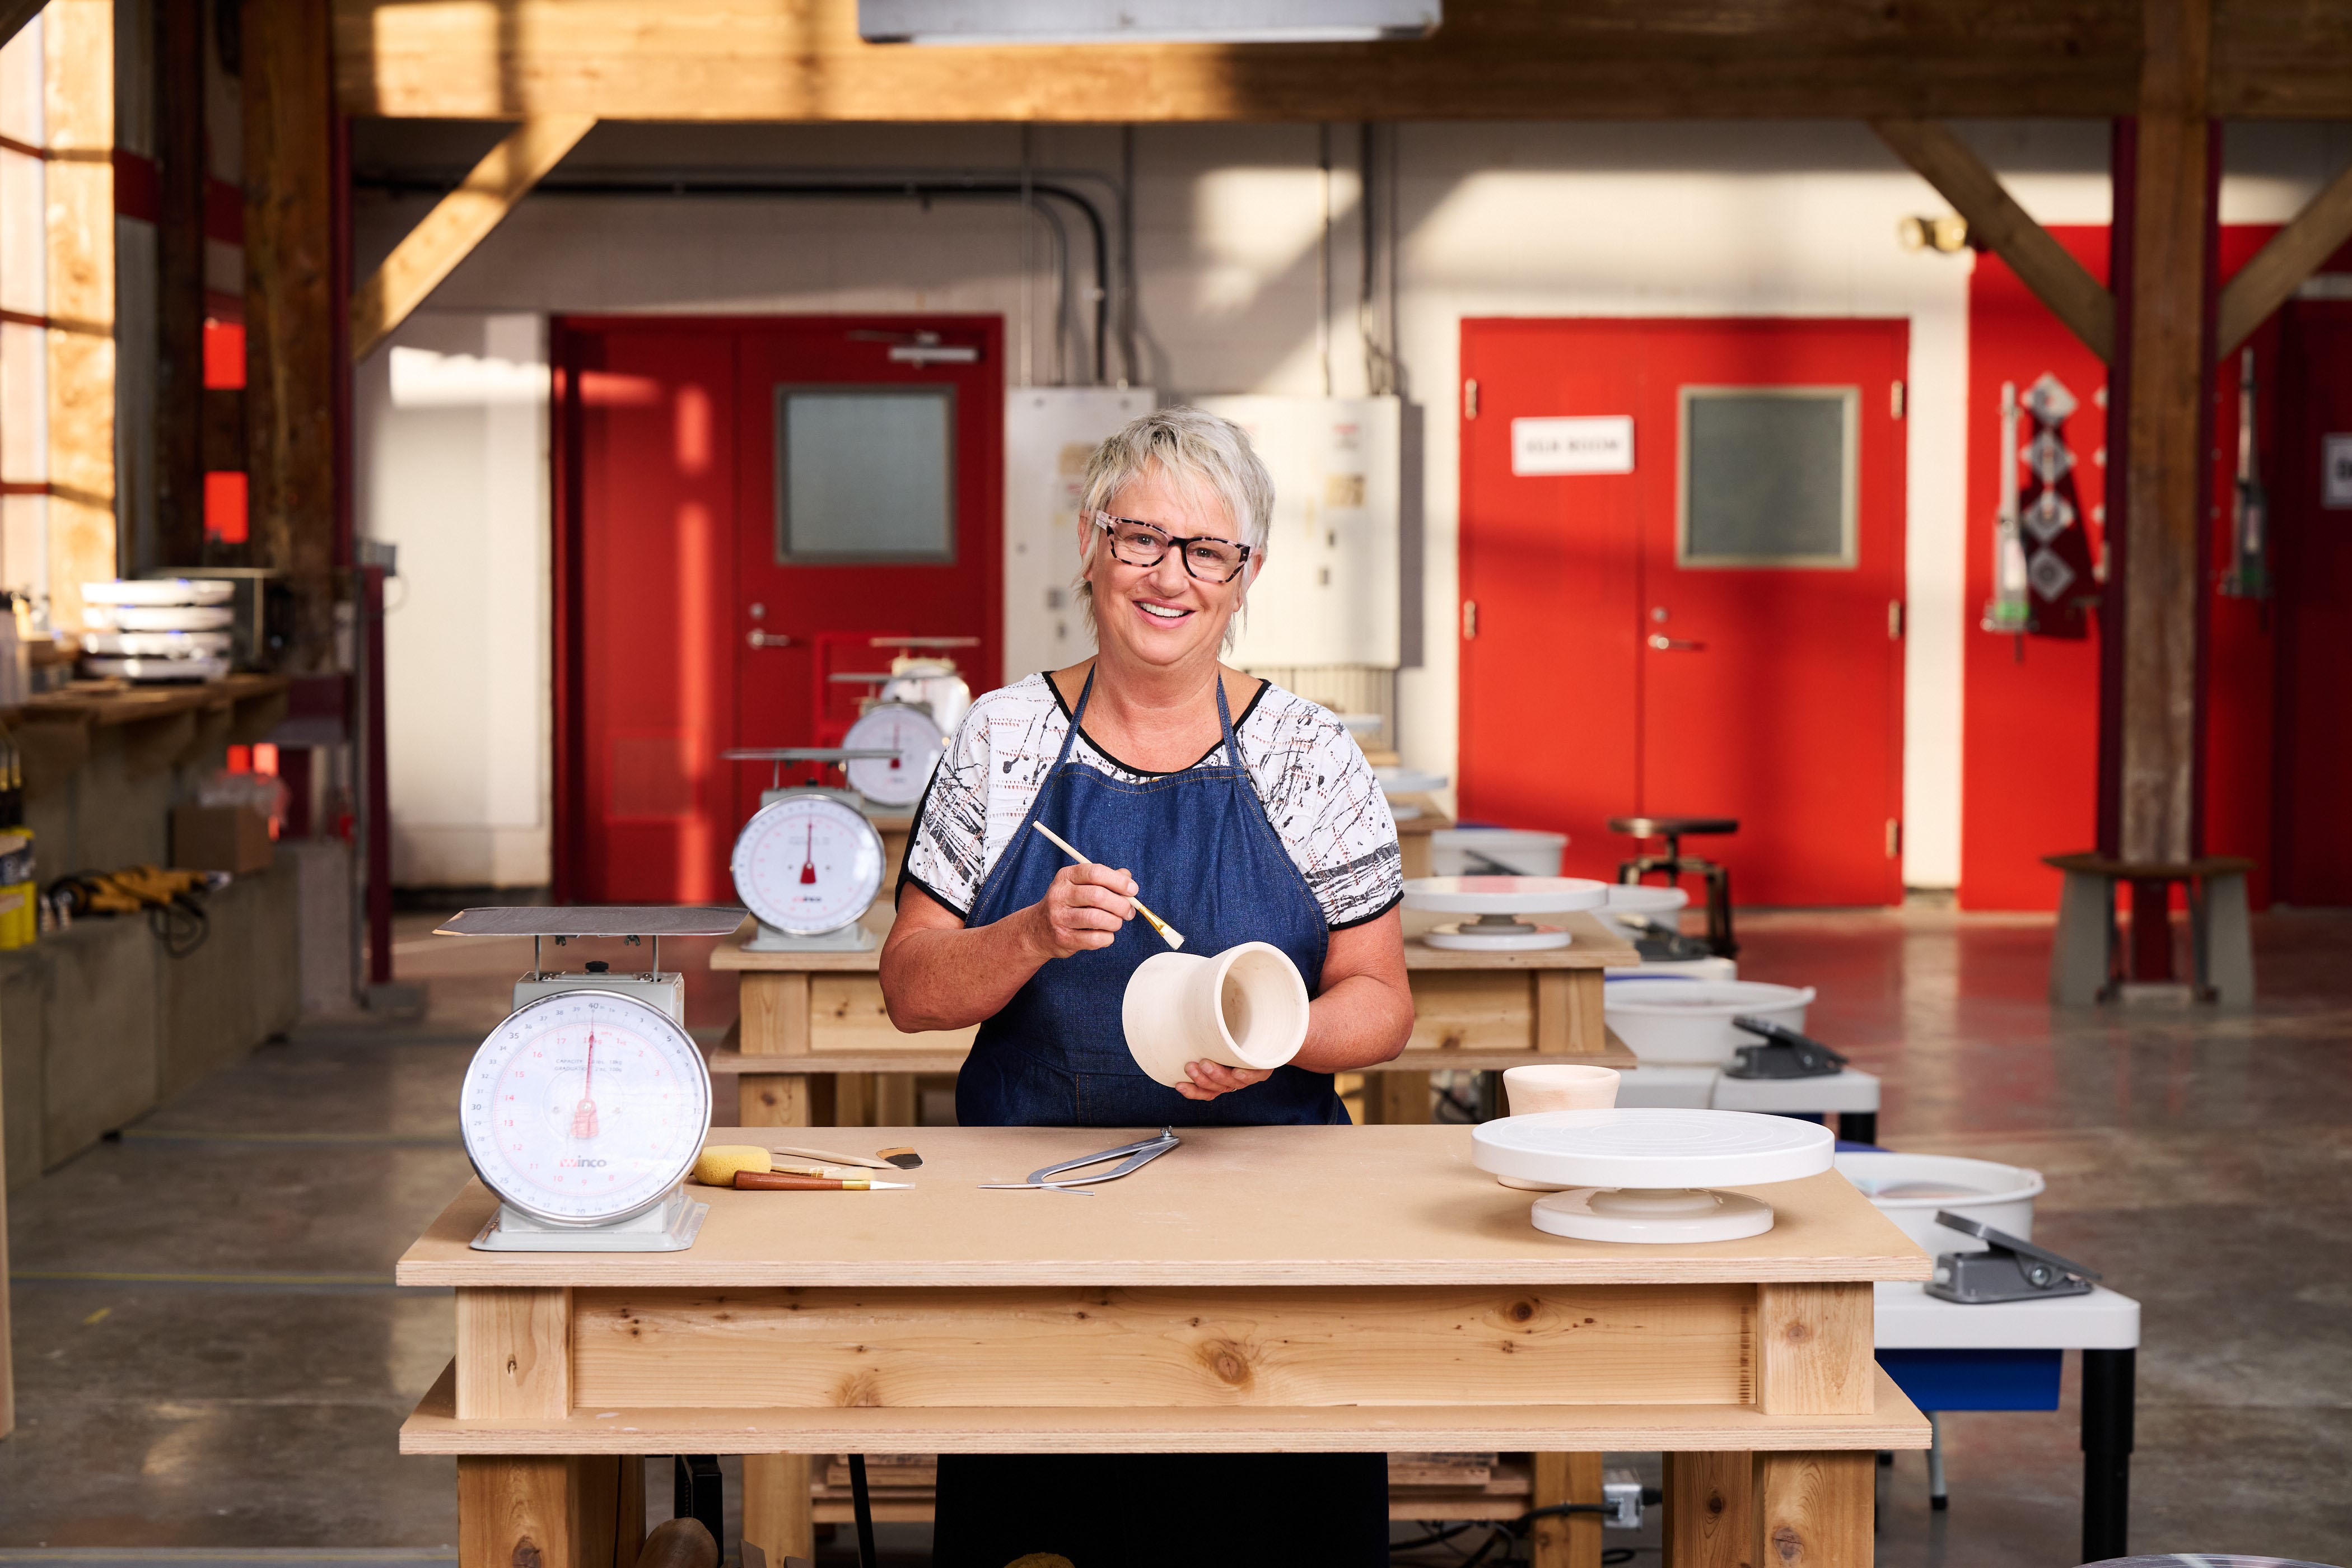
(1593, 946)
(1231, 1206)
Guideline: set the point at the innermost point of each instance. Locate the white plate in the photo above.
(1504, 895)
(1655, 1148)
(1408, 780)
(156, 668)
(155, 645)
(159, 591)
(158, 619)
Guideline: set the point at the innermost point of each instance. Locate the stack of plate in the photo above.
(170, 629)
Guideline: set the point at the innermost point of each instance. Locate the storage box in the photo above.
(234, 838)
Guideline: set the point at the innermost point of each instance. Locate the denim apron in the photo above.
(1199, 841)
(1056, 1055)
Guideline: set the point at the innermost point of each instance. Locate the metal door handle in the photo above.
(759, 639)
(1666, 643)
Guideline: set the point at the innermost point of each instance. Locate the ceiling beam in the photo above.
(14, 13)
(802, 60)
(461, 221)
(2279, 269)
(1996, 223)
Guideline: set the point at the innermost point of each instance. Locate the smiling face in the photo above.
(1162, 615)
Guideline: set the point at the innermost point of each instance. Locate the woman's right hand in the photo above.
(1083, 908)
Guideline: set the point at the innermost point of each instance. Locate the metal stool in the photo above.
(1673, 863)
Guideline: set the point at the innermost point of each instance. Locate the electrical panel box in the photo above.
(1049, 434)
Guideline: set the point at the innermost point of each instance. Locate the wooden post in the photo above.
(292, 312)
(1573, 1539)
(1710, 1507)
(78, 45)
(1814, 1510)
(2167, 370)
(1813, 1354)
(775, 1019)
(778, 1516)
(180, 173)
(514, 1363)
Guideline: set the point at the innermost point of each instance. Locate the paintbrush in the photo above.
(776, 1182)
(1174, 937)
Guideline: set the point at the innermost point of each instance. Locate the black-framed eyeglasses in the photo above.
(1206, 558)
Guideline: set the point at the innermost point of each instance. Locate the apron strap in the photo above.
(1086, 694)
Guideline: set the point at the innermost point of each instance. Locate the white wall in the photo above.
(1241, 292)
(450, 452)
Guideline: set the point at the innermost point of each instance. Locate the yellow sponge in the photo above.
(718, 1163)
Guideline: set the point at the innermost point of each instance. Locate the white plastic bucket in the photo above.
(1661, 906)
(1687, 1023)
(1909, 1189)
(1477, 851)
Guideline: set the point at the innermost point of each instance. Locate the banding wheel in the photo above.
(1498, 902)
(1643, 1174)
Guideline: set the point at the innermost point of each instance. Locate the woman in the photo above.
(1252, 817)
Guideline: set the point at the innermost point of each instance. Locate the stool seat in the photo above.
(1673, 827)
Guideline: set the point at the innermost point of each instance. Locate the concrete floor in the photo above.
(210, 1355)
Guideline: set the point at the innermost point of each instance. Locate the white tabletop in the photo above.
(1908, 1318)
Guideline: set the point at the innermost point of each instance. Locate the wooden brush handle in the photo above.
(777, 1182)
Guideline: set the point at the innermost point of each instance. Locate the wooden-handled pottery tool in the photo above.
(779, 1182)
(718, 1164)
(904, 1158)
(1174, 938)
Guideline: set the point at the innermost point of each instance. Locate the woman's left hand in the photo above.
(1211, 1080)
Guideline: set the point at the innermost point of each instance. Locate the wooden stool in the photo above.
(1673, 863)
(2086, 955)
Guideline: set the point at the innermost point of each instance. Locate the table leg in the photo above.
(894, 1099)
(2225, 942)
(777, 1515)
(1858, 1126)
(2107, 1399)
(1710, 1509)
(1815, 1509)
(1571, 1540)
(551, 1511)
(1938, 1497)
(775, 1023)
(2082, 948)
(1396, 1099)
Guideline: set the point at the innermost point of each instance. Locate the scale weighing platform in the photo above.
(583, 1110)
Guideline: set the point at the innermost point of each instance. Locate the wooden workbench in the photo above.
(804, 1013)
(1297, 1288)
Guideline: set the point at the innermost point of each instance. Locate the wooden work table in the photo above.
(804, 1013)
(1300, 1289)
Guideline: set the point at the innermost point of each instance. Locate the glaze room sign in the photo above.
(1601, 444)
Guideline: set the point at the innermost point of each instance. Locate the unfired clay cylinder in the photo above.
(1245, 1008)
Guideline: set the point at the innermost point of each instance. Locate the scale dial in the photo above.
(900, 728)
(585, 1106)
(807, 864)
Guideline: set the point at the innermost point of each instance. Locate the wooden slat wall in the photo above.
(78, 41)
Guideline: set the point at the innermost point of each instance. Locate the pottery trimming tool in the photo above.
(809, 863)
(585, 1108)
(1647, 1175)
(1174, 937)
(1131, 1157)
(1498, 902)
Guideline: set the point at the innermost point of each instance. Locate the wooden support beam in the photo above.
(2169, 370)
(1813, 1511)
(2279, 269)
(1573, 1539)
(78, 44)
(1996, 223)
(183, 411)
(14, 15)
(462, 220)
(290, 312)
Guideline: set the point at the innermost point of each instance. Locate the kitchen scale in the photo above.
(910, 745)
(1498, 901)
(1648, 1174)
(584, 1109)
(809, 863)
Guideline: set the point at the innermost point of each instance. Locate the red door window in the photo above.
(732, 493)
(1697, 612)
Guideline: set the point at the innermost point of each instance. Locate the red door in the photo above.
(730, 492)
(2311, 490)
(1705, 624)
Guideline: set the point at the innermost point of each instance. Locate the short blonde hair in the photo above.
(1188, 444)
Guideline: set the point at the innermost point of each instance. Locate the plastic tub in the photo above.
(1661, 905)
(1910, 1188)
(1494, 852)
(1687, 1023)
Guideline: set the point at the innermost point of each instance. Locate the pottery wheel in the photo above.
(1498, 901)
(1643, 1174)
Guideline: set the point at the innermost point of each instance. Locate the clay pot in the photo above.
(1559, 1086)
(1245, 1008)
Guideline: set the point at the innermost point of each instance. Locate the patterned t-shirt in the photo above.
(1319, 792)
